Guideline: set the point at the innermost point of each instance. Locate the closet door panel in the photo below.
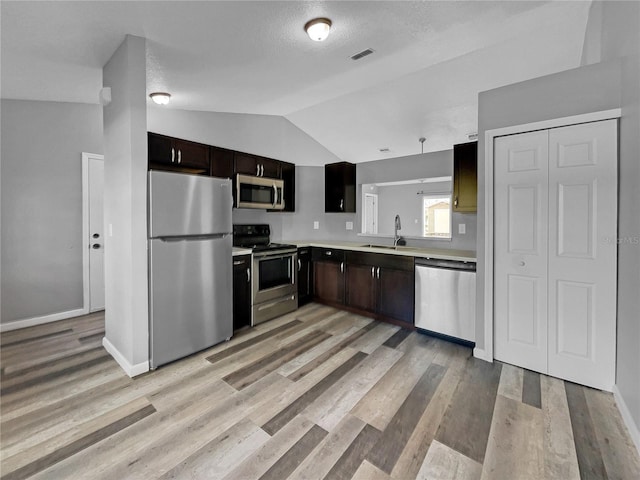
(521, 235)
(582, 253)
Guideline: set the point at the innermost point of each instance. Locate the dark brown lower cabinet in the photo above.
(328, 282)
(371, 284)
(361, 291)
(305, 283)
(397, 294)
(241, 291)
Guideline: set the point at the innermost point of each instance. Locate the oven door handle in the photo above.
(267, 256)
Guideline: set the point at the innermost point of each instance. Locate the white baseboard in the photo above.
(627, 418)
(33, 321)
(482, 355)
(131, 370)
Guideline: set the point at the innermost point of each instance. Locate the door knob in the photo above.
(522, 264)
(96, 235)
(95, 246)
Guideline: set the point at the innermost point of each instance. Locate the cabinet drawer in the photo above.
(396, 262)
(327, 254)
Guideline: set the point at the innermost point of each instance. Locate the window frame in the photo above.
(431, 196)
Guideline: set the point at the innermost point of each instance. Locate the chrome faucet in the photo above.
(396, 227)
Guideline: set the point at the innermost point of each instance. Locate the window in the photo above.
(437, 215)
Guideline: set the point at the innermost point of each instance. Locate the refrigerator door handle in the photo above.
(186, 238)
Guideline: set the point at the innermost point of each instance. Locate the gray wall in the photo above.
(621, 38)
(125, 204)
(612, 83)
(41, 159)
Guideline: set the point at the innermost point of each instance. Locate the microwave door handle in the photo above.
(275, 195)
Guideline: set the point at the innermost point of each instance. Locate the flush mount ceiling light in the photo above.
(161, 98)
(318, 29)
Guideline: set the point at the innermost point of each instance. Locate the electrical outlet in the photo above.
(349, 225)
(316, 225)
(462, 228)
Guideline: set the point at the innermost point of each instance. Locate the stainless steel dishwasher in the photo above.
(446, 298)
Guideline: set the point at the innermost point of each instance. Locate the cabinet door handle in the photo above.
(328, 253)
(248, 275)
(262, 170)
(455, 201)
(179, 156)
(341, 267)
(173, 155)
(341, 204)
(257, 169)
(372, 269)
(299, 265)
(378, 273)
(238, 262)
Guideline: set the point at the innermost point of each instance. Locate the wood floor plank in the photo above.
(619, 454)
(288, 462)
(531, 389)
(393, 440)
(410, 461)
(367, 471)
(381, 403)
(344, 343)
(11, 342)
(444, 463)
(587, 446)
(329, 451)
(466, 424)
(352, 458)
(48, 453)
(397, 338)
(271, 451)
(515, 447)
(331, 406)
(247, 375)
(560, 459)
(237, 347)
(511, 378)
(375, 337)
(302, 402)
(222, 454)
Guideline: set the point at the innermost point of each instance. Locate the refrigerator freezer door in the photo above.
(191, 295)
(182, 204)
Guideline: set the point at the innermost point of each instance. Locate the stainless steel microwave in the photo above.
(259, 192)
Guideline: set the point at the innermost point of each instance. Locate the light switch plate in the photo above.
(462, 228)
(349, 225)
(316, 225)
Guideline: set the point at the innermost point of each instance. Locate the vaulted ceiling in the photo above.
(430, 60)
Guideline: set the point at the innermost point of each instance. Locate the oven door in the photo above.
(274, 275)
(259, 192)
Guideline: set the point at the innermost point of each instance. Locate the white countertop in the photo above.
(420, 252)
(241, 251)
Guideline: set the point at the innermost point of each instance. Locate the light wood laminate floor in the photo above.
(316, 394)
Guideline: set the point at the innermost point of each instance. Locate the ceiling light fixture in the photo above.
(422, 140)
(318, 29)
(161, 98)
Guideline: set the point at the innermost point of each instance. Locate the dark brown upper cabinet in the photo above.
(340, 187)
(465, 177)
(221, 162)
(248, 164)
(174, 154)
(288, 172)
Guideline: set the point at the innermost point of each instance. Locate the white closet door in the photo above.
(521, 236)
(582, 253)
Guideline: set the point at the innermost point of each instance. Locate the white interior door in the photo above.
(582, 253)
(370, 213)
(520, 268)
(96, 234)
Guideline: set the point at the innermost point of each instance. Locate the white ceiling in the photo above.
(431, 59)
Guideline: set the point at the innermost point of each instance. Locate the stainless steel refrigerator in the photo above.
(190, 264)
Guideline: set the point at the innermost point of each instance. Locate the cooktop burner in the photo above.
(257, 237)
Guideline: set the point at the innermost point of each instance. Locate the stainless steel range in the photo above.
(274, 282)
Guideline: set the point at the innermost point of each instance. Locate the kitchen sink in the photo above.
(388, 247)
